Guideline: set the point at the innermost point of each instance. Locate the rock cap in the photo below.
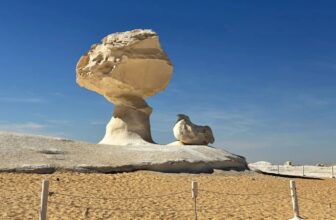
(131, 63)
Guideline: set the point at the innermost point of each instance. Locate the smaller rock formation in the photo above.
(288, 163)
(260, 166)
(188, 133)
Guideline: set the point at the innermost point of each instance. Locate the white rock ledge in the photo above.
(38, 154)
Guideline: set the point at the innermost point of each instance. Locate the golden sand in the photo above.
(150, 195)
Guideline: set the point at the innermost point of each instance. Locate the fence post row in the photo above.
(44, 200)
(194, 194)
(294, 201)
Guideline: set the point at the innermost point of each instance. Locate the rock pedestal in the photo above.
(130, 123)
(126, 68)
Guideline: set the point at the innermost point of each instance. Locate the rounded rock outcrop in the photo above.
(188, 133)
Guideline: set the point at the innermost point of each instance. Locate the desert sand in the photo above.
(152, 195)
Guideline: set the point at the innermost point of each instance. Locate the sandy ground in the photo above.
(150, 195)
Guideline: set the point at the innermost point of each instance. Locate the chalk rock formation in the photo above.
(288, 163)
(39, 154)
(188, 133)
(126, 68)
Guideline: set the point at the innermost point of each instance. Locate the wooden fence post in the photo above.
(332, 171)
(44, 200)
(194, 194)
(278, 169)
(303, 174)
(294, 201)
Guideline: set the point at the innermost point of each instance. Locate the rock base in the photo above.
(39, 154)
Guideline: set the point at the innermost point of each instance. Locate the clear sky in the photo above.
(262, 74)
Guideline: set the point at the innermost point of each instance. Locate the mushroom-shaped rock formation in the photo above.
(126, 68)
(188, 133)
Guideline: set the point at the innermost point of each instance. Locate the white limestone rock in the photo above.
(126, 68)
(31, 153)
(288, 163)
(292, 170)
(260, 165)
(188, 133)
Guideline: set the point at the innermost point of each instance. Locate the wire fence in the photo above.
(56, 194)
(118, 198)
(98, 203)
(330, 204)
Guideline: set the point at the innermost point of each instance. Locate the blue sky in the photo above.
(262, 74)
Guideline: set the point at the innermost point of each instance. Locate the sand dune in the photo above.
(150, 195)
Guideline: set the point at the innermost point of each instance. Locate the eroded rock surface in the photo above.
(188, 133)
(126, 68)
(31, 153)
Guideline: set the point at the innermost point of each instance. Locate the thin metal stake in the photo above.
(278, 170)
(332, 171)
(194, 194)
